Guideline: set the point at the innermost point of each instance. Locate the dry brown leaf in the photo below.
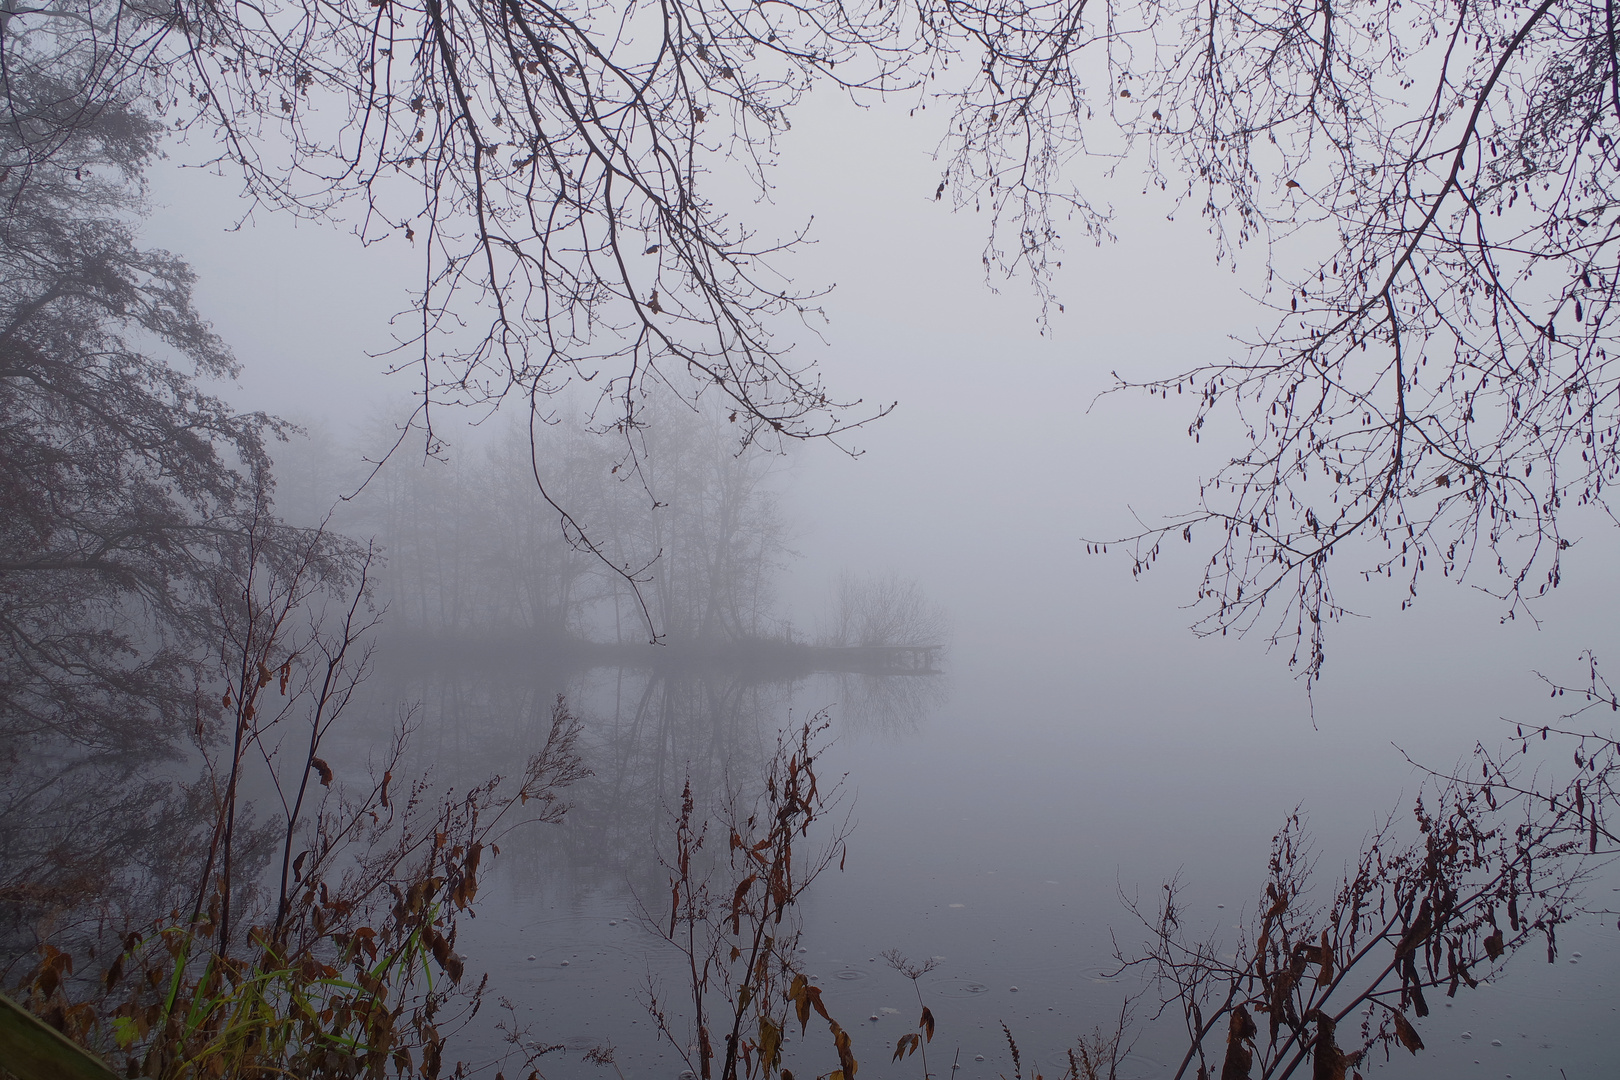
(1328, 1061)
(1408, 1035)
(1240, 1034)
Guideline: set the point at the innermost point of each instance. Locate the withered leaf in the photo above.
(1417, 933)
(770, 1043)
(796, 994)
(1494, 946)
(737, 902)
(1328, 1061)
(1408, 1035)
(1239, 1058)
(927, 1022)
(846, 1056)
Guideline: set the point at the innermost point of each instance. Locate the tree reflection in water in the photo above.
(648, 730)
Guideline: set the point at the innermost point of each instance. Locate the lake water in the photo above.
(1000, 811)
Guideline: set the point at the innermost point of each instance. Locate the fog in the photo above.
(1073, 743)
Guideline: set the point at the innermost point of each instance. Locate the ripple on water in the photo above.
(963, 988)
(849, 974)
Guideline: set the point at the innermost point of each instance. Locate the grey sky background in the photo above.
(997, 463)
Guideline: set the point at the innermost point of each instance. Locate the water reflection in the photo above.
(649, 730)
(888, 704)
(562, 924)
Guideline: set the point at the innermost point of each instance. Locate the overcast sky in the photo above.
(997, 463)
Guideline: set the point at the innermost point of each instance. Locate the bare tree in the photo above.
(1437, 383)
(1436, 379)
(129, 499)
(879, 610)
(548, 164)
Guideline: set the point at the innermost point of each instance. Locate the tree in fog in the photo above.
(879, 610)
(715, 538)
(472, 544)
(1436, 380)
(1435, 377)
(125, 492)
(694, 526)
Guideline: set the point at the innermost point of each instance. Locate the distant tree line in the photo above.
(687, 537)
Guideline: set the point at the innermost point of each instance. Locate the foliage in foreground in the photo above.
(357, 975)
(319, 942)
(1497, 863)
(731, 917)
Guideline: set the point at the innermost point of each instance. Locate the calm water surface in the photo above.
(1002, 812)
